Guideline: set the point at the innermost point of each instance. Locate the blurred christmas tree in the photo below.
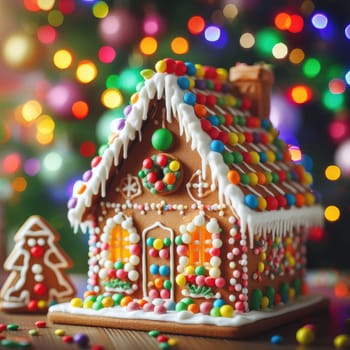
(69, 67)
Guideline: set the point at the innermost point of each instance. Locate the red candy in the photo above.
(2, 327)
(170, 65)
(97, 347)
(40, 324)
(67, 339)
(180, 68)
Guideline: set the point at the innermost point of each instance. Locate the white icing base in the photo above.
(186, 317)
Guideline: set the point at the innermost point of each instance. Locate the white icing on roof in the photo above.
(164, 85)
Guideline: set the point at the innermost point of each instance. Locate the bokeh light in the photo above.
(45, 5)
(332, 213)
(148, 45)
(106, 54)
(280, 51)
(80, 109)
(55, 18)
(19, 184)
(247, 40)
(196, 25)
(332, 101)
(179, 45)
(52, 161)
(87, 149)
(12, 163)
(112, 98)
(100, 9)
(62, 59)
(300, 94)
(266, 39)
(230, 11)
(319, 20)
(338, 130)
(311, 67)
(31, 110)
(32, 166)
(332, 172)
(347, 31)
(86, 71)
(46, 34)
(212, 33)
(296, 56)
(336, 86)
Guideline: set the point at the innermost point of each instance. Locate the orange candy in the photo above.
(125, 300)
(158, 283)
(234, 177)
(193, 308)
(89, 293)
(200, 110)
(299, 200)
(169, 178)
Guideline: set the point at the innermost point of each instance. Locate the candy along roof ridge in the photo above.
(165, 85)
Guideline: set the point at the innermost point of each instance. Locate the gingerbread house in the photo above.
(195, 207)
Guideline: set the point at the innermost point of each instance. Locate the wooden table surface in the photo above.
(328, 323)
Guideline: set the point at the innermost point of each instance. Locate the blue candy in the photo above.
(290, 199)
(191, 69)
(164, 270)
(190, 98)
(276, 339)
(251, 200)
(217, 146)
(154, 269)
(183, 83)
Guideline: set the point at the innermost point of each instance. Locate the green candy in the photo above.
(162, 139)
(256, 299)
(153, 333)
(12, 327)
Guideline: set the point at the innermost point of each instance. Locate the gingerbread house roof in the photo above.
(250, 166)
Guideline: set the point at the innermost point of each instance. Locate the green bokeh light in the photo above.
(333, 102)
(266, 39)
(311, 67)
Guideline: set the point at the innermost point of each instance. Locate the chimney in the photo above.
(254, 82)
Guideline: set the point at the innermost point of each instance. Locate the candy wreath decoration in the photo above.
(161, 173)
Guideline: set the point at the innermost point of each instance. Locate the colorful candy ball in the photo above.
(305, 336)
(342, 341)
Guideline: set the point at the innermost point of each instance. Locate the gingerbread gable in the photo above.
(250, 166)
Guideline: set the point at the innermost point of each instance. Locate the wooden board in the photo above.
(241, 332)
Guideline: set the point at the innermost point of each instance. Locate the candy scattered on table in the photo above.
(68, 339)
(342, 341)
(81, 339)
(3, 327)
(164, 341)
(40, 324)
(305, 335)
(12, 327)
(60, 332)
(33, 332)
(276, 339)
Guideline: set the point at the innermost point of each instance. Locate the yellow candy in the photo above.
(291, 294)
(261, 267)
(134, 98)
(255, 158)
(107, 302)
(241, 138)
(76, 302)
(342, 341)
(172, 341)
(88, 304)
(180, 280)
(158, 244)
(174, 165)
(263, 256)
(232, 138)
(192, 83)
(226, 311)
(160, 66)
(189, 270)
(305, 336)
(60, 332)
(42, 304)
(222, 74)
(253, 179)
(199, 71)
(147, 73)
(264, 302)
(262, 204)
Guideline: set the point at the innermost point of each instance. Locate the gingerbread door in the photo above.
(158, 262)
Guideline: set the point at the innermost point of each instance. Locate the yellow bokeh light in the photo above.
(44, 139)
(31, 110)
(45, 5)
(62, 59)
(55, 18)
(280, 51)
(112, 98)
(332, 173)
(100, 9)
(230, 11)
(247, 40)
(296, 56)
(332, 213)
(86, 71)
(179, 45)
(45, 125)
(148, 45)
(19, 184)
